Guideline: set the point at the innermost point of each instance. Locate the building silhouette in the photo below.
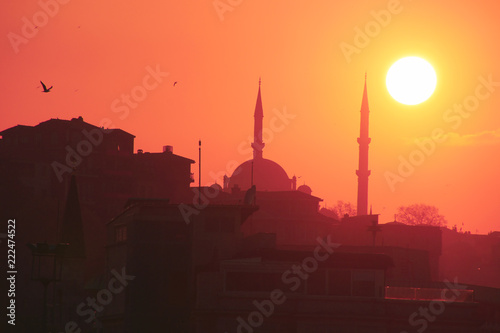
(474, 259)
(37, 160)
(293, 216)
(45, 168)
(415, 249)
(212, 279)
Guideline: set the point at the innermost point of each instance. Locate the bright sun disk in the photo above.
(411, 80)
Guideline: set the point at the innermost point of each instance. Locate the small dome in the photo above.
(304, 188)
(267, 176)
(216, 187)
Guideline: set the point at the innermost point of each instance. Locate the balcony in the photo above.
(429, 294)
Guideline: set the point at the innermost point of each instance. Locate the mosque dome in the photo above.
(267, 176)
(216, 187)
(304, 188)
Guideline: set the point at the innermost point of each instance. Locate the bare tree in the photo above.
(339, 210)
(420, 214)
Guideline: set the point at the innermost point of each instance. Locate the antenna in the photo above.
(251, 175)
(58, 232)
(199, 172)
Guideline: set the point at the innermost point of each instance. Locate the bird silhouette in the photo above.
(175, 83)
(45, 90)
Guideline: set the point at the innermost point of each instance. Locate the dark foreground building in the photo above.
(199, 274)
(36, 168)
(36, 163)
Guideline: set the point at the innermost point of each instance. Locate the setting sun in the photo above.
(411, 80)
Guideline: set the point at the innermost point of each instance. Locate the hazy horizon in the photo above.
(95, 53)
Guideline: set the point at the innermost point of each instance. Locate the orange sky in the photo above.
(93, 52)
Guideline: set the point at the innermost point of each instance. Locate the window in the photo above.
(363, 288)
(243, 281)
(227, 225)
(211, 225)
(253, 281)
(220, 224)
(363, 283)
(120, 233)
(339, 282)
(316, 283)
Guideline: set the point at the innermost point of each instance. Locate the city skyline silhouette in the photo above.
(250, 166)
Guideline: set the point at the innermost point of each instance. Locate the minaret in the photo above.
(72, 225)
(257, 144)
(363, 171)
(71, 289)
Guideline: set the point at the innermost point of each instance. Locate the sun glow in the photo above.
(411, 80)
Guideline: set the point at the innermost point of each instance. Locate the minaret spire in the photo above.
(72, 226)
(363, 173)
(258, 144)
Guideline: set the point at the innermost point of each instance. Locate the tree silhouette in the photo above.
(339, 210)
(420, 214)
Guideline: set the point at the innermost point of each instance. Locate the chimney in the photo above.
(168, 149)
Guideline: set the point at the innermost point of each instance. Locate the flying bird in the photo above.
(45, 90)
(175, 83)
